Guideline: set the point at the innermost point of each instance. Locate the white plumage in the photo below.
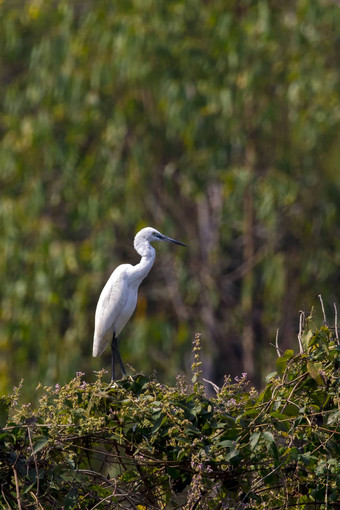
(118, 298)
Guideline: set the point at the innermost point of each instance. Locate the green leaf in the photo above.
(279, 421)
(231, 433)
(268, 436)
(266, 394)
(305, 458)
(141, 379)
(129, 475)
(173, 472)
(71, 499)
(28, 488)
(305, 339)
(159, 423)
(281, 364)
(254, 439)
(228, 443)
(289, 353)
(333, 418)
(232, 455)
(191, 430)
(39, 444)
(270, 376)
(313, 369)
(5, 435)
(321, 468)
(291, 410)
(250, 413)
(274, 451)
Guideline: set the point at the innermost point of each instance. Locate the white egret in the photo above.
(118, 298)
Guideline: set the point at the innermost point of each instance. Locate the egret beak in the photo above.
(170, 240)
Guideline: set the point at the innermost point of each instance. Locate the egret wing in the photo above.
(110, 305)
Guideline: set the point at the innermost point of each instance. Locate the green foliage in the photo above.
(138, 443)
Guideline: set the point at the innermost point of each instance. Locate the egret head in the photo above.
(149, 235)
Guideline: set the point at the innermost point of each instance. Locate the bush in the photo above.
(139, 444)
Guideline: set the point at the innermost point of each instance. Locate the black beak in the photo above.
(170, 240)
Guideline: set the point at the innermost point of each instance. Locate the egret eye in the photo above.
(157, 235)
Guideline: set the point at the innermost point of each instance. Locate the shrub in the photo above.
(139, 444)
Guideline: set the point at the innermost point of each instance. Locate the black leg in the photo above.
(115, 354)
(113, 341)
(118, 357)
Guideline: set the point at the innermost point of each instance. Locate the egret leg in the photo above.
(113, 358)
(115, 354)
(118, 357)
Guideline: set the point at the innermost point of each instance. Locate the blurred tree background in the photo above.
(217, 123)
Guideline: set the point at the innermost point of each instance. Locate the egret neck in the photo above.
(148, 254)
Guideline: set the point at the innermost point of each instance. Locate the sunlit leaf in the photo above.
(314, 371)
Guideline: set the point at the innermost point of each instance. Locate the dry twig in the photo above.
(336, 324)
(277, 343)
(35, 462)
(216, 388)
(301, 325)
(17, 486)
(4, 496)
(323, 310)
